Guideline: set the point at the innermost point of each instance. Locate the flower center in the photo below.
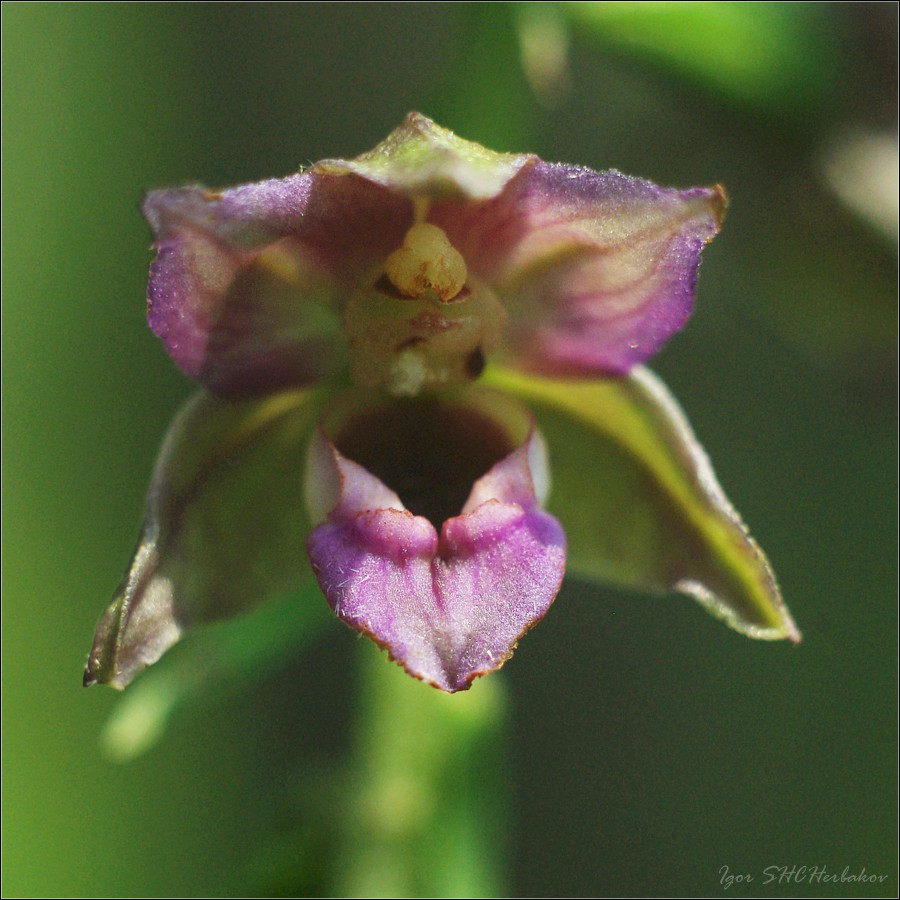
(427, 264)
(426, 322)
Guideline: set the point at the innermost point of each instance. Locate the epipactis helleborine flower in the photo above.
(339, 320)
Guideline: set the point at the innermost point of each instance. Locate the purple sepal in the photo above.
(452, 607)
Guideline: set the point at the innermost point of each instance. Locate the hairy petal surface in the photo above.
(450, 606)
(598, 269)
(641, 504)
(224, 529)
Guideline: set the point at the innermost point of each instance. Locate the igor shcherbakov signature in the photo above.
(799, 875)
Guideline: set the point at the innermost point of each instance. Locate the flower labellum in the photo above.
(450, 579)
(338, 321)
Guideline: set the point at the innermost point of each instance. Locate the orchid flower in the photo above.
(421, 386)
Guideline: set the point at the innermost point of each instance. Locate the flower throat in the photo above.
(429, 453)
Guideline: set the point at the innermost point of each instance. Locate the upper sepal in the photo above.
(420, 159)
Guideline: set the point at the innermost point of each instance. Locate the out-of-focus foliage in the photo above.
(666, 747)
(762, 53)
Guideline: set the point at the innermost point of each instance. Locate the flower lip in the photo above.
(428, 450)
(450, 595)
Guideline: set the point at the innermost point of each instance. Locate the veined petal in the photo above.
(448, 606)
(224, 529)
(420, 159)
(640, 503)
(598, 270)
(246, 288)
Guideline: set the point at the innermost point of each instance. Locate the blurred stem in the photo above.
(486, 95)
(427, 794)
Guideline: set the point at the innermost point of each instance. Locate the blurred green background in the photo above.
(643, 746)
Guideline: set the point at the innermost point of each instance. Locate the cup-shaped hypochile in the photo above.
(432, 538)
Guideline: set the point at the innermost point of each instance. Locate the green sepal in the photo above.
(225, 528)
(640, 503)
(422, 159)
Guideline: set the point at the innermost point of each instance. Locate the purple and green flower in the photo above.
(422, 386)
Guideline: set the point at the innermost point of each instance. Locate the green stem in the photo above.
(427, 811)
(485, 95)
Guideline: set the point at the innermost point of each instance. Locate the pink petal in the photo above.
(598, 270)
(246, 287)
